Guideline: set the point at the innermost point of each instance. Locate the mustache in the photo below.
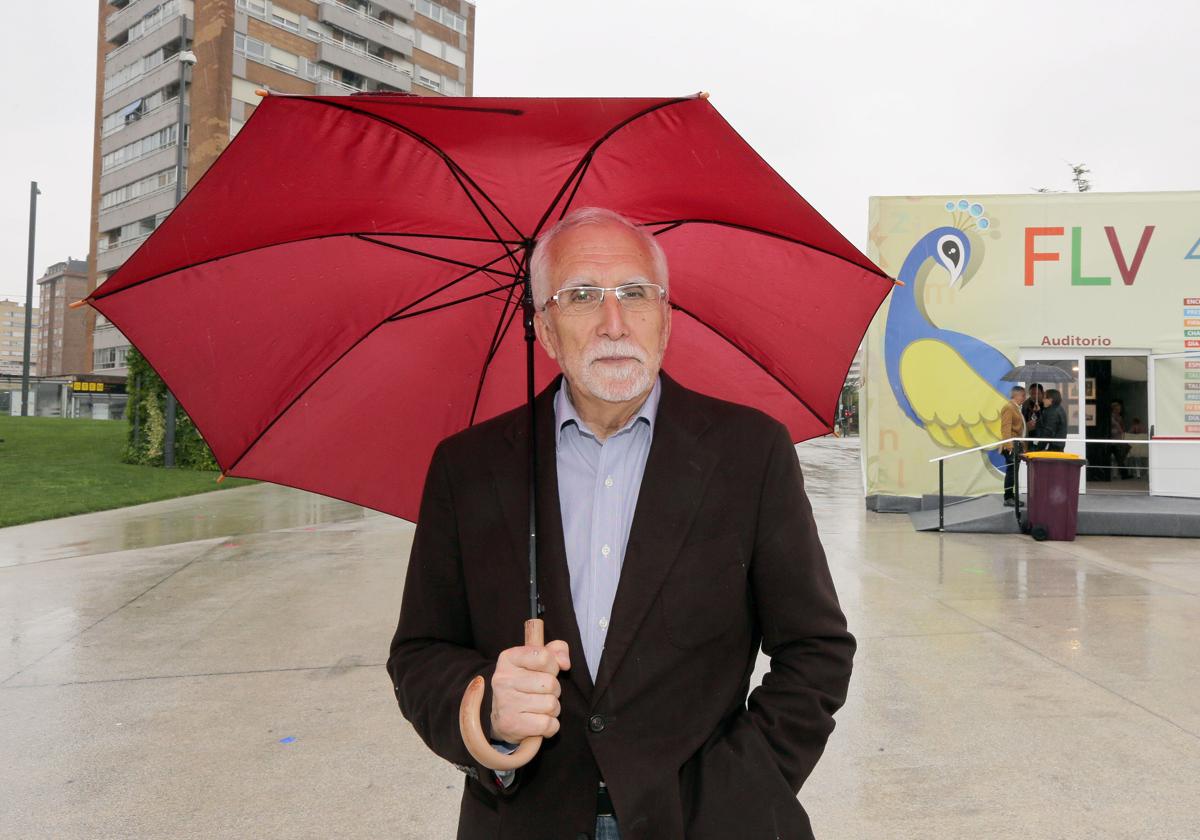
(614, 350)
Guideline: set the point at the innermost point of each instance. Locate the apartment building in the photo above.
(323, 47)
(62, 342)
(12, 338)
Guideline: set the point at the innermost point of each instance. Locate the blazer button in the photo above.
(596, 723)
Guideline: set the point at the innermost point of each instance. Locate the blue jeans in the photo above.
(606, 829)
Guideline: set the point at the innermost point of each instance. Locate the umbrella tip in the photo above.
(221, 477)
(263, 92)
(703, 94)
(77, 303)
(898, 282)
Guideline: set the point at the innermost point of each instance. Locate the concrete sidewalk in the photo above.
(213, 667)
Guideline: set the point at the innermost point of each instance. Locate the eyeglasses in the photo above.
(633, 297)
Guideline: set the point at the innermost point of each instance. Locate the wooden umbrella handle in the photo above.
(469, 724)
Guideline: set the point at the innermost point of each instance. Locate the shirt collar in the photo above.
(565, 414)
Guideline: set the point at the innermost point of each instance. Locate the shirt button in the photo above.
(596, 723)
(603, 624)
(605, 551)
(608, 482)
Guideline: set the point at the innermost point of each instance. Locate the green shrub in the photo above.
(146, 417)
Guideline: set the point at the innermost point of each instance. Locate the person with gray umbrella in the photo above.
(1053, 423)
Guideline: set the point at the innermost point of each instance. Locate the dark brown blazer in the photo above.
(723, 554)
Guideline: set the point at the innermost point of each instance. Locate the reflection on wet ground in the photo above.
(212, 667)
(248, 510)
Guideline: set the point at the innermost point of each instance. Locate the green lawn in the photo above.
(51, 467)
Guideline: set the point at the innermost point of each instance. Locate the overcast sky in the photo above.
(846, 99)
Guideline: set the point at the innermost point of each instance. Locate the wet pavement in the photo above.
(213, 667)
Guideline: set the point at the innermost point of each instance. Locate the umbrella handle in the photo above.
(471, 727)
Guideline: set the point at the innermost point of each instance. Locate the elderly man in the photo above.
(675, 539)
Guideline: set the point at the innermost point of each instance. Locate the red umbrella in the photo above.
(290, 302)
(337, 293)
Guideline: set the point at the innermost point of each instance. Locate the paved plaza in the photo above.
(213, 667)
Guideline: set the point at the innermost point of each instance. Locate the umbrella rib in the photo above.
(436, 149)
(676, 223)
(585, 161)
(315, 237)
(497, 339)
(450, 261)
(661, 231)
(485, 268)
(489, 292)
(410, 100)
(334, 363)
(755, 361)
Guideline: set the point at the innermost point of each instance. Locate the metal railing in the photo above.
(164, 104)
(163, 20)
(341, 85)
(942, 459)
(359, 51)
(138, 77)
(360, 13)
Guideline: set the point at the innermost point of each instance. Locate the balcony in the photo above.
(142, 86)
(150, 204)
(400, 8)
(332, 87)
(363, 25)
(364, 64)
(122, 19)
(136, 170)
(160, 36)
(111, 259)
(161, 117)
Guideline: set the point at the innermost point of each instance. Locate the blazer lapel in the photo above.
(554, 582)
(677, 472)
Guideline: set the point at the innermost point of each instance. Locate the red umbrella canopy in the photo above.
(338, 292)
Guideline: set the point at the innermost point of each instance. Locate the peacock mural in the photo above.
(946, 382)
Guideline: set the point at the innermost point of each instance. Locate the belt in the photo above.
(604, 806)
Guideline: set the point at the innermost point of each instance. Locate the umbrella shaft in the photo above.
(530, 337)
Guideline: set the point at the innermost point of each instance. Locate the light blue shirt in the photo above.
(598, 485)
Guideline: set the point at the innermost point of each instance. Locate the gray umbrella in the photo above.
(1037, 373)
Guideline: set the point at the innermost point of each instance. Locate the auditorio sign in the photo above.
(987, 281)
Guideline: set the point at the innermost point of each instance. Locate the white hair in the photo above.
(543, 261)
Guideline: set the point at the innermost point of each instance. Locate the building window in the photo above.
(106, 358)
(442, 15)
(138, 189)
(285, 60)
(139, 67)
(429, 79)
(140, 108)
(317, 31)
(285, 19)
(438, 82)
(250, 47)
(258, 8)
(139, 148)
(132, 232)
(441, 49)
(153, 20)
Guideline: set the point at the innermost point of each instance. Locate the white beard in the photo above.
(615, 383)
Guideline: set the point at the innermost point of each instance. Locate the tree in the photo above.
(1079, 173)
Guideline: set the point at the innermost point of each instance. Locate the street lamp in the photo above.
(186, 59)
(34, 192)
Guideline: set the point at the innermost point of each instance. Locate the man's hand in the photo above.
(525, 691)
